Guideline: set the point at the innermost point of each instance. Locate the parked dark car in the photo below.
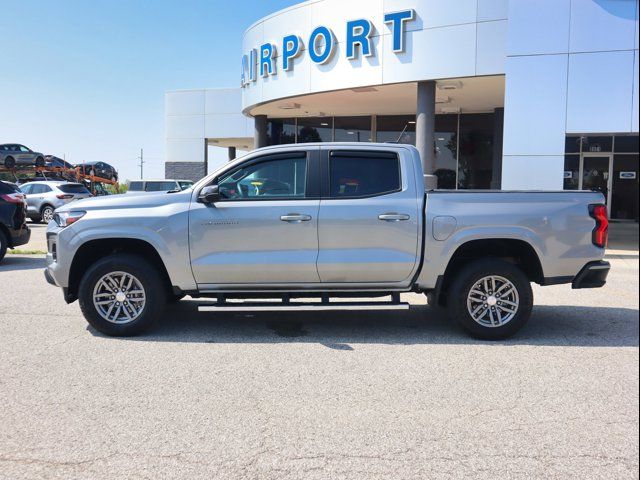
(98, 169)
(15, 155)
(52, 161)
(13, 213)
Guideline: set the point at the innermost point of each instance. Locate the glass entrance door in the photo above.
(596, 175)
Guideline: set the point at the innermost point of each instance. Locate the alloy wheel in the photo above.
(493, 301)
(119, 297)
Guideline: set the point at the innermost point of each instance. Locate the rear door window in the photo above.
(73, 188)
(363, 174)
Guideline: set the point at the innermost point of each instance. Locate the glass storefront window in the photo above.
(281, 131)
(397, 129)
(352, 129)
(571, 172)
(597, 144)
(463, 144)
(572, 144)
(624, 194)
(312, 130)
(475, 156)
(627, 144)
(446, 146)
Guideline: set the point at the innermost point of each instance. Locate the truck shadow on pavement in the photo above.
(344, 331)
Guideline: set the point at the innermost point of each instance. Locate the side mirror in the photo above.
(209, 194)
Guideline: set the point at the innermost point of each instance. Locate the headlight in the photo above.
(64, 219)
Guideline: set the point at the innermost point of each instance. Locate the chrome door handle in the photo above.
(295, 218)
(394, 217)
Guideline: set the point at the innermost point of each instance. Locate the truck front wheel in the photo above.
(491, 299)
(122, 295)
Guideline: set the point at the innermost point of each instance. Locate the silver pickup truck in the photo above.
(312, 226)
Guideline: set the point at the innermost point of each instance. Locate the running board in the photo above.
(300, 307)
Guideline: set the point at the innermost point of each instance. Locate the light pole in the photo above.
(141, 158)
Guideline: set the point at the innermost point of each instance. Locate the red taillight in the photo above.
(64, 197)
(600, 235)
(13, 197)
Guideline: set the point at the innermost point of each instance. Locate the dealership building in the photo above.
(502, 94)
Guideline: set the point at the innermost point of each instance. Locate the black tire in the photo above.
(469, 278)
(148, 276)
(39, 162)
(9, 162)
(3, 245)
(432, 301)
(46, 212)
(35, 219)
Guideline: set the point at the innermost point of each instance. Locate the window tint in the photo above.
(73, 188)
(627, 144)
(26, 188)
(135, 186)
(160, 186)
(7, 188)
(40, 188)
(354, 174)
(284, 178)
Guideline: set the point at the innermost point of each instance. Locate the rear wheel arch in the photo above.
(92, 251)
(517, 252)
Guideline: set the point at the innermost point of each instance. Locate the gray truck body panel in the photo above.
(344, 245)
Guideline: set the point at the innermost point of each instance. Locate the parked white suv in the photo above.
(44, 197)
(155, 186)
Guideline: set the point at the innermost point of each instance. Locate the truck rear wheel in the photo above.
(122, 295)
(491, 299)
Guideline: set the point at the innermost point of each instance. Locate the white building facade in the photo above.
(511, 94)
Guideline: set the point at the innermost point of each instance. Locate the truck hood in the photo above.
(127, 201)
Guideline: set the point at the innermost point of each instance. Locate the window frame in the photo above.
(342, 152)
(312, 190)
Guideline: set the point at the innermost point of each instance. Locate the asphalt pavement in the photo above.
(393, 395)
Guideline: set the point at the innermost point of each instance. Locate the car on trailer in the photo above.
(98, 169)
(15, 155)
(51, 161)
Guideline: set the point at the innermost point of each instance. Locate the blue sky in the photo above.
(87, 78)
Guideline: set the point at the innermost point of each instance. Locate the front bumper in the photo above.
(593, 275)
(20, 237)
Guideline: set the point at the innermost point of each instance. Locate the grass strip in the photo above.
(17, 251)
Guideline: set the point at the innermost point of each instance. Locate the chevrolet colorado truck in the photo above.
(338, 226)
